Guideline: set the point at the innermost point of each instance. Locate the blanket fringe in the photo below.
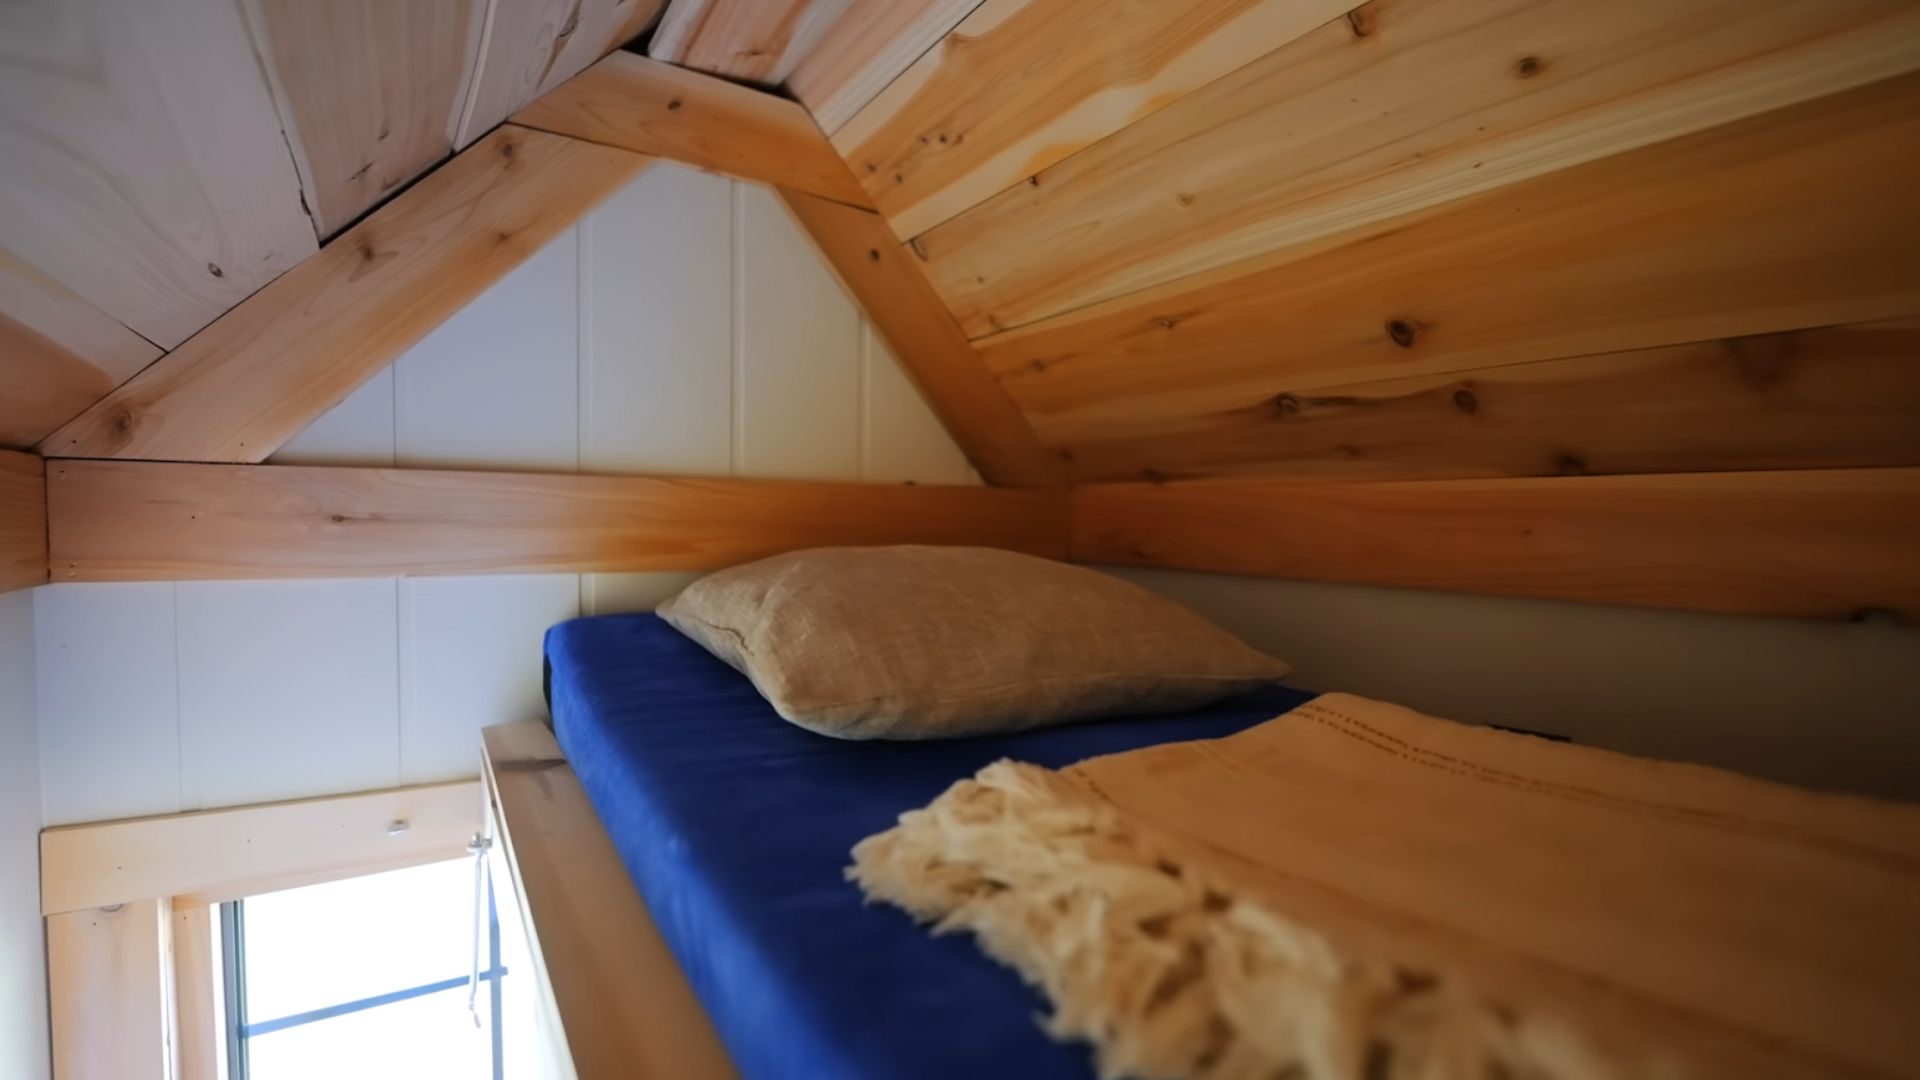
(1171, 975)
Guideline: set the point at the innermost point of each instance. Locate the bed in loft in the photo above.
(679, 854)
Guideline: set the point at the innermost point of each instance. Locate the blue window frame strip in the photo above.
(268, 1027)
(493, 965)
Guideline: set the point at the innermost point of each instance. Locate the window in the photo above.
(368, 978)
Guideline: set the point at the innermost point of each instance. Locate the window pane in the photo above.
(431, 1036)
(326, 945)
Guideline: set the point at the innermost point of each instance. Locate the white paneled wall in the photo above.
(23, 981)
(685, 327)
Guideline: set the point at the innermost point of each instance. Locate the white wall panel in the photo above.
(798, 335)
(23, 982)
(497, 385)
(685, 327)
(1822, 704)
(358, 431)
(108, 701)
(614, 594)
(287, 689)
(901, 437)
(657, 327)
(470, 657)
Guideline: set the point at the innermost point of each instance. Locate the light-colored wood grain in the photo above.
(652, 107)
(1412, 104)
(867, 48)
(369, 92)
(58, 314)
(23, 521)
(248, 383)
(252, 848)
(107, 977)
(900, 304)
(755, 41)
(535, 45)
(141, 161)
(1829, 543)
(1022, 84)
(126, 521)
(1773, 223)
(41, 385)
(58, 354)
(199, 1027)
(1823, 398)
(604, 973)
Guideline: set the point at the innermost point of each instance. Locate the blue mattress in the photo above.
(736, 827)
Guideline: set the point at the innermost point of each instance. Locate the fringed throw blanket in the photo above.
(1356, 890)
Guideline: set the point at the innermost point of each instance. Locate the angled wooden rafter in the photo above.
(655, 108)
(157, 521)
(903, 307)
(238, 390)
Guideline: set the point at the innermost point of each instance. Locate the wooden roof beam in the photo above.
(241, 388)
(655, 108)
(23, 521)
(161, 521)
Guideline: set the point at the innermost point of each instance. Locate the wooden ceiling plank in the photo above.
(23, 521)
(160, 521)
(1774, 223)
(244, 386)
(58, 354)
(656, 108)
(55, 312)
(141, 161)
(1832, 397)
(1022, 84)
(533, 46)
(1412, 104)
(1829, 543)
(369, 92)
(889, 287)
(865, 50)
(756, 41)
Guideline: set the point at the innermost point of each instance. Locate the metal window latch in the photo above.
(479, 845)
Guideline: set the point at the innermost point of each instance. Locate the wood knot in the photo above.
(367, 254)
(1154, 476)
(1527, 67)
(338, 519)
(1286, 404)
(1066, 454)
(1361, 21)
(215, 270)
(1184, 199)
(1403, 332)
(1034, 180)
(674, 105)
(1570, 465)
(1465, 401)
(121, 424)
(873, 254)
(508, 148)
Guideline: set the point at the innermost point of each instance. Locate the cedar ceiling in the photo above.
(1410, 239)
(162, 161)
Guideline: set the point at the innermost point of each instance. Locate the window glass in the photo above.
(368, 978)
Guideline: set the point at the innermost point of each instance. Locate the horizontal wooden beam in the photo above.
(1832, 543)
(900, 303)
(23, 521)
(655, 108)
(125, 521)
(238, 390)
(227, 853)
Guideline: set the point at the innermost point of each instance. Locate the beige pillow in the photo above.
(931, 642)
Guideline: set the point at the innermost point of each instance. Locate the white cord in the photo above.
(478, 847)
